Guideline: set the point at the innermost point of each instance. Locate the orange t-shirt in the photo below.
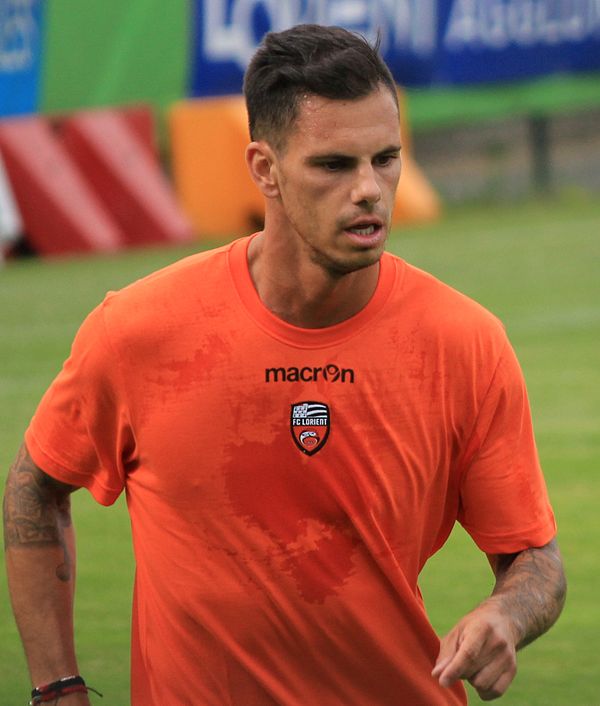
(286, 486)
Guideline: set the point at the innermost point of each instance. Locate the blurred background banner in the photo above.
(21, 35)
(507, 92)
(55, 56)
(425, 42)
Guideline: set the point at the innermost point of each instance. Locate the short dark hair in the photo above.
(308, 59)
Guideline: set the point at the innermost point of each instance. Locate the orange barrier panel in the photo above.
(208, 141)
(126, 178)
(60, 212)
(416, 200)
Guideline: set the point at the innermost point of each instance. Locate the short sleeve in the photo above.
(504, 502)
(80, 433)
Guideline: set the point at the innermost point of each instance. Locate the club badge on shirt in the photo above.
(309, 423)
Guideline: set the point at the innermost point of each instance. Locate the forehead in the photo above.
(323, 124)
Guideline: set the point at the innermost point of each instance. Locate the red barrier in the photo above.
(128, 181)
(60, 212)
(140, 120)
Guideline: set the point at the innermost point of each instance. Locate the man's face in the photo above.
(337, 176)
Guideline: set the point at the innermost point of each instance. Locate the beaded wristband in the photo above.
(57, 689)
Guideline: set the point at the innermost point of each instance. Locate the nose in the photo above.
(366, 189)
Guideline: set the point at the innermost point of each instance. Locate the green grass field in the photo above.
(535, 265)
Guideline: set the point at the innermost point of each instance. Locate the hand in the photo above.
(480, 649)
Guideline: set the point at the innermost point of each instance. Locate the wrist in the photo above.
(71, 688)
(506, 612)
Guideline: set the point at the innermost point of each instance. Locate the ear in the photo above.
(261, 162)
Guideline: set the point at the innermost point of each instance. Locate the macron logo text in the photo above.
(328, 373)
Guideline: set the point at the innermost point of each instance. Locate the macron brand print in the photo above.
(328, 373)
(310, 422)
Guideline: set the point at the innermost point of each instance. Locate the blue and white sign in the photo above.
(20, 55)
(425, 42)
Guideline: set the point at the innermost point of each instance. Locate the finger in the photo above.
(497, 674)
(497, 689)
(467, 661)
(448, 647)
(440, 665)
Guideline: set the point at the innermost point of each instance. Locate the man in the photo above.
(298, 419)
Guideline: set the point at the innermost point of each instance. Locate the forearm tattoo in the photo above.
(533, 588)
(37, 510)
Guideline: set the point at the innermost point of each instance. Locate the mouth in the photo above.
(366, 233)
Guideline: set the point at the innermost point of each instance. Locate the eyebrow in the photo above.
(340, 156)
(391, 148)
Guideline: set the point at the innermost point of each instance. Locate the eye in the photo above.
(384, 160)
(334, 165)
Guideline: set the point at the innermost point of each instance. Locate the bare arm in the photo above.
(40, 560)
(531, 586)
(527, 599)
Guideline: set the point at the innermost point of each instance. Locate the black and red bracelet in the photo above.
(57, 689)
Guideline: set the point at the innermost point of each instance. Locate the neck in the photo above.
(303, 292)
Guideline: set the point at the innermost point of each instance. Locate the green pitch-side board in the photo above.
(114, 52)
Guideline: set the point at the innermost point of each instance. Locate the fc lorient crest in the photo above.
(309, 423)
